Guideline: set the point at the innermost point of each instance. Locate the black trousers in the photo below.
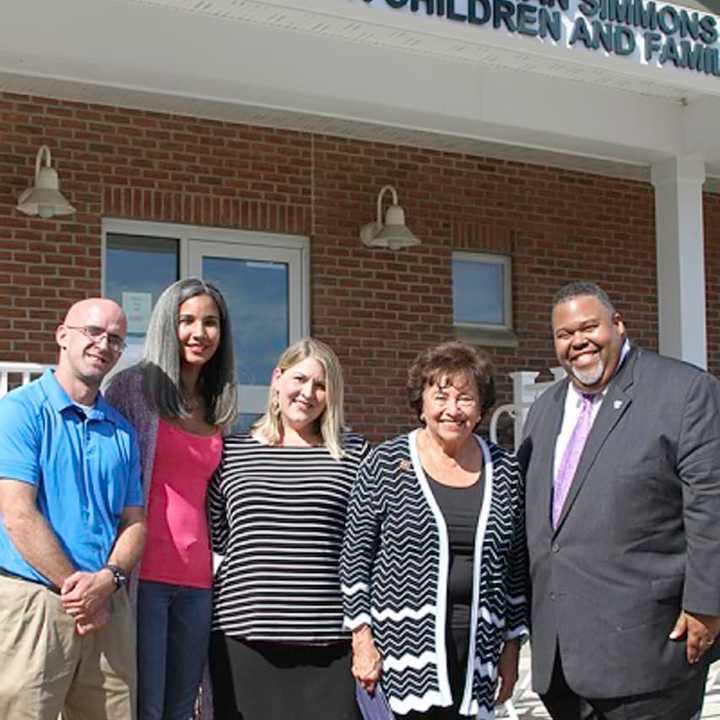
(679, 702)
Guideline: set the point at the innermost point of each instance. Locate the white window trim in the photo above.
(185, 233)
(486, 333)
(251, 398)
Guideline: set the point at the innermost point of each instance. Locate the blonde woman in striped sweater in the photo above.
(278, 505)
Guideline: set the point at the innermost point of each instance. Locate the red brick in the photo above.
(377, 308)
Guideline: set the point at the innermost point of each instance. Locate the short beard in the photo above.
(589, 377)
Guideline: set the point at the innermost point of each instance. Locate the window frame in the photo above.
(500, 335)
(192, 237)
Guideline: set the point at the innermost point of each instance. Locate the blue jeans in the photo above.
(173, 631)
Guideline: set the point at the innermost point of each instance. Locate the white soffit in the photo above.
(113, 79)
(628, 168)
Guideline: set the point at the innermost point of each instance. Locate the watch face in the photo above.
(118, 576)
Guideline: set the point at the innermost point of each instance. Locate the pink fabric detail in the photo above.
(177, 550)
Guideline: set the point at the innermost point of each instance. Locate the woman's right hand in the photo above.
(367, 663)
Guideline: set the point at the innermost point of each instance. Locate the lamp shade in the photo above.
(44, 198)
(393, 234)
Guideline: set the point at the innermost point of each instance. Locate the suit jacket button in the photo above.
(552, 596)
(555, 547)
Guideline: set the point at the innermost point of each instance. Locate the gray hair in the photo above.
(331, 422)
(161, 363)
(580, 289)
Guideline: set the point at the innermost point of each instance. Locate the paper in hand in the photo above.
(375, 706)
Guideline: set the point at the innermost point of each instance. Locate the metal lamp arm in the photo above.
(379, 201)
(44, 150)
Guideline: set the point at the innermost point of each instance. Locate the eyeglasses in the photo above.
(466, 402)
(442, 401)
(96, 334)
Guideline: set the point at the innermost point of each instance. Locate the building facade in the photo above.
(247, 142)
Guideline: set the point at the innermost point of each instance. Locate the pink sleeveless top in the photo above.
(177, 550)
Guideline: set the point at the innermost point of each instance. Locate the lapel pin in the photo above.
(617, 404)
(405, 465)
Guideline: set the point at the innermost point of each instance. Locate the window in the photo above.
(263, 277)
(482, 298)
(137, 269)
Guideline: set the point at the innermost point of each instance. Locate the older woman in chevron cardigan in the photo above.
(433, 568)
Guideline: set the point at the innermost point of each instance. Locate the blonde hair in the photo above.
(332, 421)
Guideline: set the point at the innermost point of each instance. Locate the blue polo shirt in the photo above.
(86, 470)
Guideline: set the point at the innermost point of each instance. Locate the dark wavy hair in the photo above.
(448, 360)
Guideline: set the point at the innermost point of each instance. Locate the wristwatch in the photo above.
(119, 576)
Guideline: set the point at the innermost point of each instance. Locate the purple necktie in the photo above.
(571, 458)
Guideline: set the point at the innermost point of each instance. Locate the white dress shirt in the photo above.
(571, 413)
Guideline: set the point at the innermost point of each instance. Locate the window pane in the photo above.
(137, 269)
(244, 421)
(479, 292)
(257, 297)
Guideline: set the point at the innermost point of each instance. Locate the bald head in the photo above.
(91, 340)
(84, 311)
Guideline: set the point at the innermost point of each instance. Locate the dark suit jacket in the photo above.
(639, 537)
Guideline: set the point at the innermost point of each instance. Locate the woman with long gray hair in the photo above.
(179, 398)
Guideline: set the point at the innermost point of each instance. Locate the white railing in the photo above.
(22, 371)
(526, 390)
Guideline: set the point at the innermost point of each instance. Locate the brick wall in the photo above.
(376, 308)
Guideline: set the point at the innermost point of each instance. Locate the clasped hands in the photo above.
(701, 631)
(86, 598)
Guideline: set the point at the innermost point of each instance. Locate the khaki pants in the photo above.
(46, 668)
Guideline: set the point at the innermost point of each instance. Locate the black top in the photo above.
(460, 507)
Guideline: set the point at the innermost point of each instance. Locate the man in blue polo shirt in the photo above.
(71, 529)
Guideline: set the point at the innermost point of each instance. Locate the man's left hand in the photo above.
(86, 625)
(701, 631)
(84, 593)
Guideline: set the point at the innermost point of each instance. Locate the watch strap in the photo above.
(119, 576)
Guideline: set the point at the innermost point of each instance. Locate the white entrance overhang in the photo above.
(354, 68)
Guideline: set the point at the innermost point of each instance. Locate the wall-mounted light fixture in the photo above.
(393, 234)
(44, 198)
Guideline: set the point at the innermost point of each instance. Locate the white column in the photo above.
(680, 257)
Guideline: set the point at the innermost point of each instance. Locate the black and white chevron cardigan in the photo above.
(394, 572)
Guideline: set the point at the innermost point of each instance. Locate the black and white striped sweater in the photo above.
(394, 571)
(278, 516)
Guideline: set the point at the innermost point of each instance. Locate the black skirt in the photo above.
(274, 681)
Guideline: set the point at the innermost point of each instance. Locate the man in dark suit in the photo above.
(622, 469)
